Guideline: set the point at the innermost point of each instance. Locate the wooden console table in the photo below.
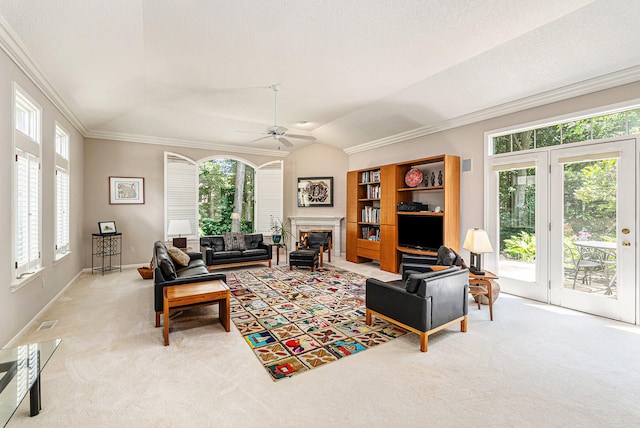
(477, 284)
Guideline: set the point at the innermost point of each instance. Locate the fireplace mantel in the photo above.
(317, 222)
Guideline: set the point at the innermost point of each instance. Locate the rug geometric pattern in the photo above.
(295, 321)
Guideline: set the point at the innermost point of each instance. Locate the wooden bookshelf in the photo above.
(391, 189)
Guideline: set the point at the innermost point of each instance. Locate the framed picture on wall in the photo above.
(315, 191)
(126, 190)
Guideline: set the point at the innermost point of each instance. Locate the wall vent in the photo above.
(46, 325)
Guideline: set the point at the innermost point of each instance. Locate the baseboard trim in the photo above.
(13, 340)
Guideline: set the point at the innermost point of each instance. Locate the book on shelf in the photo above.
(370, 215)
(373, 191)
(370, 233)
(370, 176)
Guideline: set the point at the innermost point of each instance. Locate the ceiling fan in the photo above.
(279, 132)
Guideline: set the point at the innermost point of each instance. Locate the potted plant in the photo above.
(279, 230)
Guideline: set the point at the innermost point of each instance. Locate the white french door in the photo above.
(564, 224)
(593, 229)
(517, 223)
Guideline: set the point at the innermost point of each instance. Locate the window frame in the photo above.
(62, 247)
(28, 147)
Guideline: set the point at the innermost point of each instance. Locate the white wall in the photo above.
(317, 160)
(18, 307)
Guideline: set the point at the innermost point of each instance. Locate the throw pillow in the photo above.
(234, 241)
(252, 241)
(168, 269)
(178, 256)
(447, 257)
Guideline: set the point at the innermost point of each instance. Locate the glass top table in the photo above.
(20, 369)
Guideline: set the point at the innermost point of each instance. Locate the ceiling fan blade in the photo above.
(302, 137)
(259, 139)
(253, 132)
(285, 142)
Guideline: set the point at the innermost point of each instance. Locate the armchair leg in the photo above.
(463, 324)
(424, 342)
(329, 251)
(157, 319)
(321, 254)
(368, 317)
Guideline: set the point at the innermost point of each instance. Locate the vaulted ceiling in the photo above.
(195, 72)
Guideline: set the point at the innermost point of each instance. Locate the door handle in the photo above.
(625, 231)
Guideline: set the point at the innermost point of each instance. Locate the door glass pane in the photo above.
(590, 196)
(518, 224)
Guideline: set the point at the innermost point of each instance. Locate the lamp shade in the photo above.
(477, 241)
(179, 227)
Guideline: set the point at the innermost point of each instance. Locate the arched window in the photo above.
(204, 192)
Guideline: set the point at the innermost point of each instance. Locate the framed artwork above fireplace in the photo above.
(315, 191)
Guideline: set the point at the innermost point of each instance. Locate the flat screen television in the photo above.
(420, 232)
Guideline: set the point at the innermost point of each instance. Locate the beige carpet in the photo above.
(535, 365)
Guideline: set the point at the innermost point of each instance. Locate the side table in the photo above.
(106, 247)
(480, 285)
(277, 247)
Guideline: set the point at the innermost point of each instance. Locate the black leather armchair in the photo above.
(423, 303)
(423, 263)
(320, 241)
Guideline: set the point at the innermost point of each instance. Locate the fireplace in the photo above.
(326, 224)
(302, 235)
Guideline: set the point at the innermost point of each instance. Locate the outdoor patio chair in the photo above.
(588, 261)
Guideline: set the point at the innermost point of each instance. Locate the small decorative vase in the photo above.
(276, 238)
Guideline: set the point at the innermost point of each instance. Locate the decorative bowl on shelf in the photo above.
(413, 177)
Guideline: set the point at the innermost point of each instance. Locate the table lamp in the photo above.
(179, 227)
(477, 242)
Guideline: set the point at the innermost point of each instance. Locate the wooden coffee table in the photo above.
(190, 296)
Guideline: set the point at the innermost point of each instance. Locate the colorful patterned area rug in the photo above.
(298, 320)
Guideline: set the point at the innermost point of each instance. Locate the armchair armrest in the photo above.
(449, 292)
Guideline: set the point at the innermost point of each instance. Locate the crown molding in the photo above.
(174, 142)
(607, 81)
(11, 44)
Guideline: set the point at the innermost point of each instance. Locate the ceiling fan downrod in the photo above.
(276, 88)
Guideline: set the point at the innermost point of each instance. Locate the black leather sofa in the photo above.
(167, 272)
(216, 255)
(423, 303)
